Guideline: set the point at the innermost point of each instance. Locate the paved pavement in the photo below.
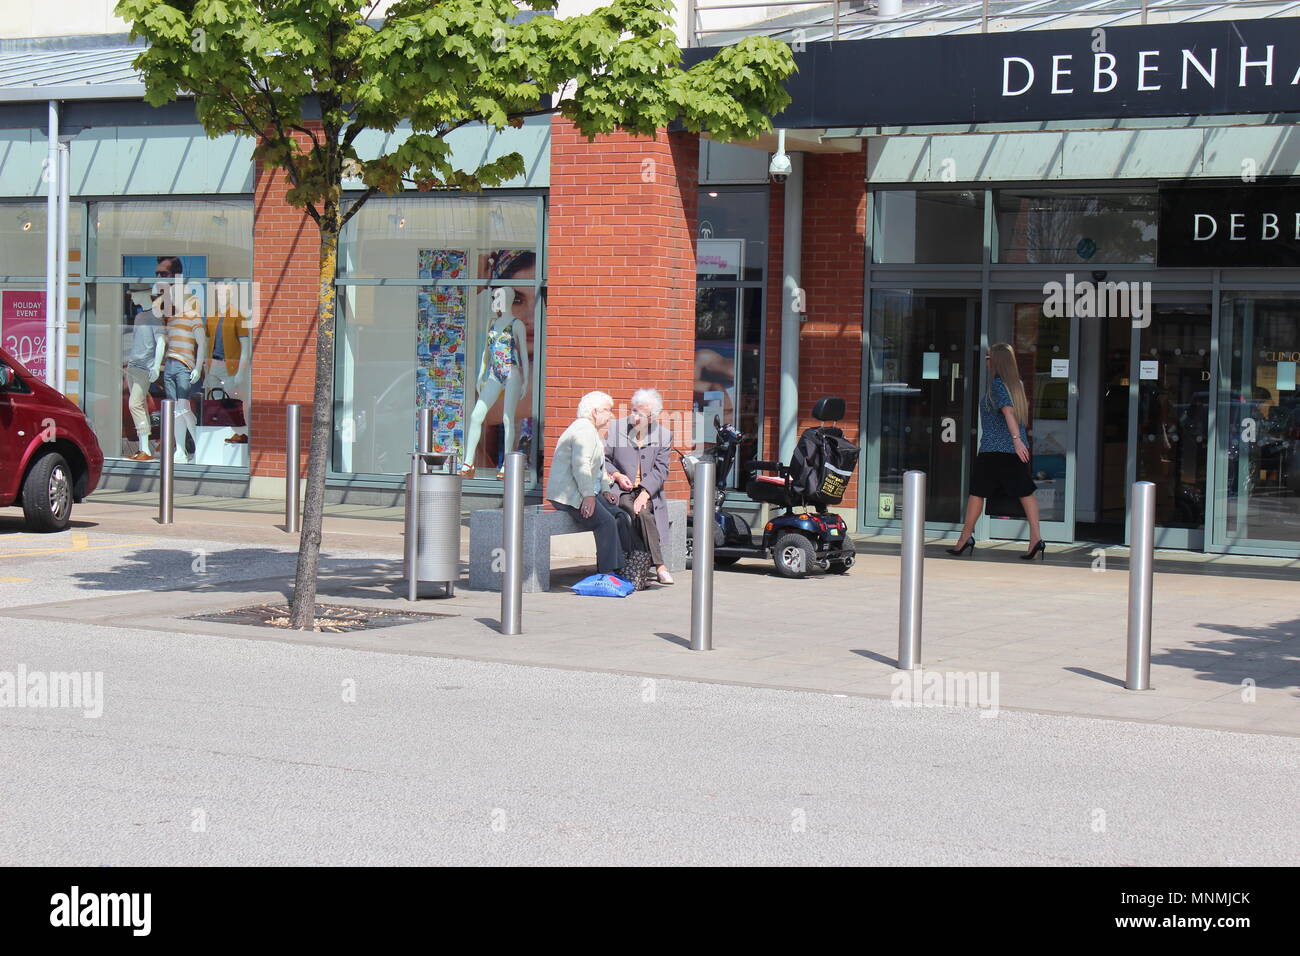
(212, 750)
(1226, 647)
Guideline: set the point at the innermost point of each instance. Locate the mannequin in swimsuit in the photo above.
(502, 368)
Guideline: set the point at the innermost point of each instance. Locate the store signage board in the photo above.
(1148, 369)
(22, 328)
(1060, 368)
(1169, 69)
(1227, 224)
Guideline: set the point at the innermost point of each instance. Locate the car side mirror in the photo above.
(6, 376)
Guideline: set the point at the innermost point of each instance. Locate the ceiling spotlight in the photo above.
(27, 225)
(713, 195)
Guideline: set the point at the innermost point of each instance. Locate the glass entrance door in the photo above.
(1045, 348)
(1169, 418)
(919, 384)
(1257, 467)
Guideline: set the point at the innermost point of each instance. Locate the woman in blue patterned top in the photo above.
(1002, 465)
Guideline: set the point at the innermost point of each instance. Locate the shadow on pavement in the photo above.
(674, 639)
(1270, 656)
(872, 655)
(16, 524)
(1096, 675)
(167, 569)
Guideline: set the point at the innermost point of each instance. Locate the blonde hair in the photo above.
(1003, 361)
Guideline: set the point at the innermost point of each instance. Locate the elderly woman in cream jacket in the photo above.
(579, 485)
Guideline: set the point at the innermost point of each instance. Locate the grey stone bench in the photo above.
(540, 525)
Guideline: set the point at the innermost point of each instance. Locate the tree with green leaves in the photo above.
(305, 78)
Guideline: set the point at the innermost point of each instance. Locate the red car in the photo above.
(49, 457)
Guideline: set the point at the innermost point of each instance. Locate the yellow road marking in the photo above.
(14, 580)
(76, 546)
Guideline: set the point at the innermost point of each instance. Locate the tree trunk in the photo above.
(302, 613)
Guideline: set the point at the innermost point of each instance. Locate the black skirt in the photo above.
(1000, 474)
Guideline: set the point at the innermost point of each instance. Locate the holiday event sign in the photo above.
(1172, 69)
(22, 328)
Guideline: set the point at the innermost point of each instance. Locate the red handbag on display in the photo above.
(221, 411)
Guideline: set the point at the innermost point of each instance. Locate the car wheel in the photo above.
(793, 556)
(47, 494)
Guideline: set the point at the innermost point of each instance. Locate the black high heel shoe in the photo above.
(968, 546)
(1035, 551)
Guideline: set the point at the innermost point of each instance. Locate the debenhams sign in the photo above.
(1217, 225)
(1184, 69)
(1149, 72)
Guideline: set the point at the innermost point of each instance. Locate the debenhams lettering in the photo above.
(1149, 71)
(1239, 226)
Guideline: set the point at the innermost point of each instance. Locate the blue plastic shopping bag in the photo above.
(603, 585)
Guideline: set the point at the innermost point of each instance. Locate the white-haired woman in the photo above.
(579, 485)
(636, 457)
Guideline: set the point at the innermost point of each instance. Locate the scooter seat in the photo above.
(767, 488)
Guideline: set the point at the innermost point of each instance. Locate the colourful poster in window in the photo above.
(440, 347)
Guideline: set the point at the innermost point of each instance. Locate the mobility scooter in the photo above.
(805, 537)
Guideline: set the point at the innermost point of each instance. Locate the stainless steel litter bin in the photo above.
(433, 491)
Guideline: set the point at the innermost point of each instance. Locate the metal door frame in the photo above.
(1186, 539)
(1017, 529)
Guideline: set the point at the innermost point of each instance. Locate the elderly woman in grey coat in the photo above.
(636, 458)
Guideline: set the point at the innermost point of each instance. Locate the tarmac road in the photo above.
(213, 750)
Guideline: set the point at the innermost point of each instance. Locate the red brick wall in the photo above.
(830, 342)
(286, 248)
(621, 273)
(835, 216)
(834, 247)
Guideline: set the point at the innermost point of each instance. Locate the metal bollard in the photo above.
(912, 575)
(1142, 540)
(413, 531)
(166, 459)
(512, 541)
(424, 431)
(292, 468)
(702, 525)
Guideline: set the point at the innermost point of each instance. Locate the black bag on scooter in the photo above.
(822, 464)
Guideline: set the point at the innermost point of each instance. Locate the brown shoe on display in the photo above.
(239, 438)
(141, 456)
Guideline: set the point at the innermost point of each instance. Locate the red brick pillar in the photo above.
(830, 341)
(834, 246)
(621, 274)
(286, 246)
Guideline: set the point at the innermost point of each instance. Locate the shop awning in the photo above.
(101, 73)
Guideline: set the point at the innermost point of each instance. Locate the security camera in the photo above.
(780, 166)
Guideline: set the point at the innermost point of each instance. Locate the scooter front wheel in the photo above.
(793, 556)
